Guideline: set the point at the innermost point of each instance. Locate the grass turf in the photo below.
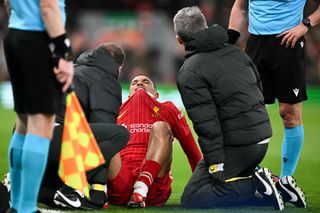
(307, 173)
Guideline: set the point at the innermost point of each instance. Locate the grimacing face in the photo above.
(145, 83)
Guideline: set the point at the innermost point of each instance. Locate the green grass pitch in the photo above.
(307, 173)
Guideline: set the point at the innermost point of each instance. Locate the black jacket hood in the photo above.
(101, 59)
(209, 39)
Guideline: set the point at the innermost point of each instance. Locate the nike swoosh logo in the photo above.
(75, 203)
(294, 197)
(266, 185)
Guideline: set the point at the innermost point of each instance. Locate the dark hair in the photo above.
(188, 21)
(116, 52)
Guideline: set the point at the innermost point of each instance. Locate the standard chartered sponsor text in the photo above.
(140, 127)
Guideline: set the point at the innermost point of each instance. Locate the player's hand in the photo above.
(291, 36)
(216, 171)
(64, 73)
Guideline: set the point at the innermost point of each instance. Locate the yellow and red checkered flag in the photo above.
(79, 149)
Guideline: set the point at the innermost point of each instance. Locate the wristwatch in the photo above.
(306, 22)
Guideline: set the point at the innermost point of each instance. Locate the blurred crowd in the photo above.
(144, 28)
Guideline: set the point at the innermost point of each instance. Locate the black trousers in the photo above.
(111, 138)
(201, 192)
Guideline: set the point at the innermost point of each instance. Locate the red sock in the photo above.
(149, 172)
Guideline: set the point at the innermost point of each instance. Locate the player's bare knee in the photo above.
(161, 129)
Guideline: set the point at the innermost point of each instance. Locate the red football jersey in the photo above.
(138, 114)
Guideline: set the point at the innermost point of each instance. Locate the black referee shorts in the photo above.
(281, 69)
(35, 88)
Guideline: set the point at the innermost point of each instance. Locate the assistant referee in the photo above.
(38, 55)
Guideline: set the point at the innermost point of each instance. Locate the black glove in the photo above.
(60, 47)
(216, 171)
(233, 36)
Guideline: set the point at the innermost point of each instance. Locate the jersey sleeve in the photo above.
(182, 132)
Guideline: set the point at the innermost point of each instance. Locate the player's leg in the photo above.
(159, 191)
(120, 182)
(34, 159)
(18, 138)
(114, 167)
(293, 137)
(35, 92)
(291, 148)
(290, 79)
(15, 158)
(157, 164)
(41, 101)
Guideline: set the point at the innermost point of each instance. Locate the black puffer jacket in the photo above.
(96, 85)
(221, 91)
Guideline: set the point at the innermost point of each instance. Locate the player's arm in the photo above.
(202, 111)
(182, 132)
(291, 36)
(60, 45)
(237, 21)
(7, 7)
(315, 17)
(52, 18)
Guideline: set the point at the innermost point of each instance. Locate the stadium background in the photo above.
(144, 28)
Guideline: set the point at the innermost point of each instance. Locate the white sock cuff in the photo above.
(141, 188)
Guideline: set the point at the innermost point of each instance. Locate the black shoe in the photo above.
(73, 199)
(5, 194)
(267, 188)
(99, 198)
(290, 192)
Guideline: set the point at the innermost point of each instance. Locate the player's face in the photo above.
(145, 83)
